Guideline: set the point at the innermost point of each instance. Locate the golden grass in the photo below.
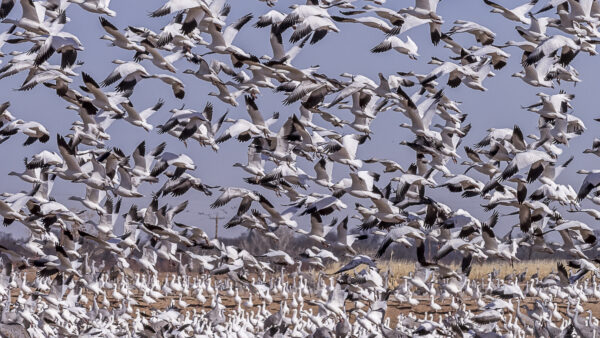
(541, 267)
(399, 268)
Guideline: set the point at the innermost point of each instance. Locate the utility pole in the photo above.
(216, 218)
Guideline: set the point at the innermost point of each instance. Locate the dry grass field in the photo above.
(400, 268)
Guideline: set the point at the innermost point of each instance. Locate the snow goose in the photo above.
(409, 47)
(359, 84)
(32, 173)
(323, 169)
(317, 24)
(92, 199)
(433, 305)
(492, 247)
(552, 106)
(63, 43)
(46, 76)
(20, 62)
(289, 173)
(70, 169)
(209, 72)
(591, 181)
(101, 100)
(140, 119)
(189, 119)
(32, 19)
(241, 129)
(592, 212)
(127, 187)
(255, 114)
(254, 221)
(163, 62)
(399, 235)
(182, 162)
(317, 231)
(278, 257)
(488, 317)
(584, 267)
(107, 221)
(300, 13)
(407, 181)
(281, 62)
(204, 131)
(536, 31)
(461, 245)
(370, 21)
(272, 17)
(261, 77)
(222, 42)
(344, 151)
(117, 38)
(231, 193)
(95, 6)
(423, 9)
(88, 134)
(196, 11)
(568, 47)
(482, 34)
(460, 183)
(567, 280)
(456, 72)
(177, 86)
(178, 186)
(6, 7)
(130, 73)
(570, 230)
(457, 49)
(311, 91)
(406, 19)
(142, 161)
(523, 45)
(422, 115)
(12, 212)
(255, 164)
(420, 279)
(97, 173)
(330, 118)
(390, 166)
(225, 95)
(34, 130)
(581, 12)
(595, 148)
(497, 134)
(5, 115)
(324, 205)
(515, 14)
(277, 218)
(435, 26)
(534, 159)
(362, 184)
(175, 34)
(499, 57)
(392, 16)
(483, 70)
(344, 241)
(64, 263)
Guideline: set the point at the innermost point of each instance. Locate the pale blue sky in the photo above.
(347, 51)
